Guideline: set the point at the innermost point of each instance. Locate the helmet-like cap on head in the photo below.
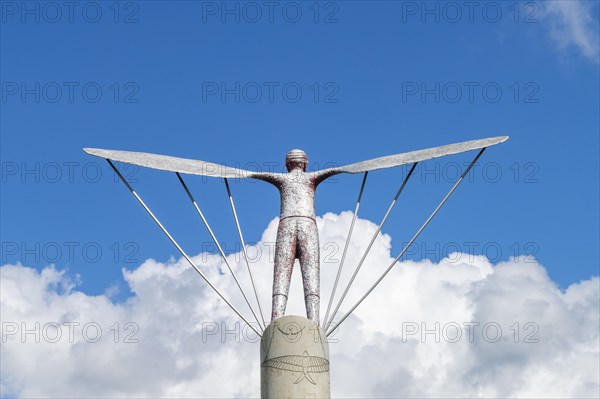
(296, 156)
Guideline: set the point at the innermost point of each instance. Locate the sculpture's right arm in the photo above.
(275, 179)
(180, 165)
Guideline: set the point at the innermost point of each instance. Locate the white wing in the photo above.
(172, 164)
(417, 156)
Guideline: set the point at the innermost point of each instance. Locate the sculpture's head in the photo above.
(296, 159)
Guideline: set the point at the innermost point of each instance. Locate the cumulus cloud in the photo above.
(574, 26)
(461, 327)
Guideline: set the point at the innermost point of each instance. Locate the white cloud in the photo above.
(373, 358)
(574, 26)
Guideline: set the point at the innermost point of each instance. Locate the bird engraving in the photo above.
(303, 364)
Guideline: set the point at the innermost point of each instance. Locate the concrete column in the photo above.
(294, 359)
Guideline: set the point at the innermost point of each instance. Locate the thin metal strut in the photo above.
(164, 230)
(217, 244)
(410, 242)
(239, 229)
(337, 277)
(410, 172)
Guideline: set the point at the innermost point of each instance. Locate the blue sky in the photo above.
(375, 78)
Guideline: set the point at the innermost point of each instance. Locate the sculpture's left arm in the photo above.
(324, 174)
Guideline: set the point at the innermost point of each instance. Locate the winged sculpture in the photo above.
(297, 235)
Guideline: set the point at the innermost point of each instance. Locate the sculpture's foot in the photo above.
(279, 304)
(312, 307)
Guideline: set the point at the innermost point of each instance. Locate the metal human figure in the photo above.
(297, 235)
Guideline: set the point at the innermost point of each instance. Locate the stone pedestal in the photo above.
(294, 359)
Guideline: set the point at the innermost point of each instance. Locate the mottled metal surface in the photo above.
(297, 235)
(297, 238)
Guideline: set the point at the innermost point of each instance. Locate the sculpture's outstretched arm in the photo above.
(325, 174)
(410, 157)
(273, 178)
(181, 165)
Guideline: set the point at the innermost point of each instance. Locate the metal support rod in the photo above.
(337, 277)
(217, 244)
(411, 241)
(239, 229)
(410, 172)
(164, 230)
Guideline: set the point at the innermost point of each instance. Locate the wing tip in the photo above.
(97, 152)
(497, 140)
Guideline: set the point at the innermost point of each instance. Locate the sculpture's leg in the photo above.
(308, 248)
(285, 255)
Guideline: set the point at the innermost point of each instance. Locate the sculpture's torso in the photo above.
(297, 191)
